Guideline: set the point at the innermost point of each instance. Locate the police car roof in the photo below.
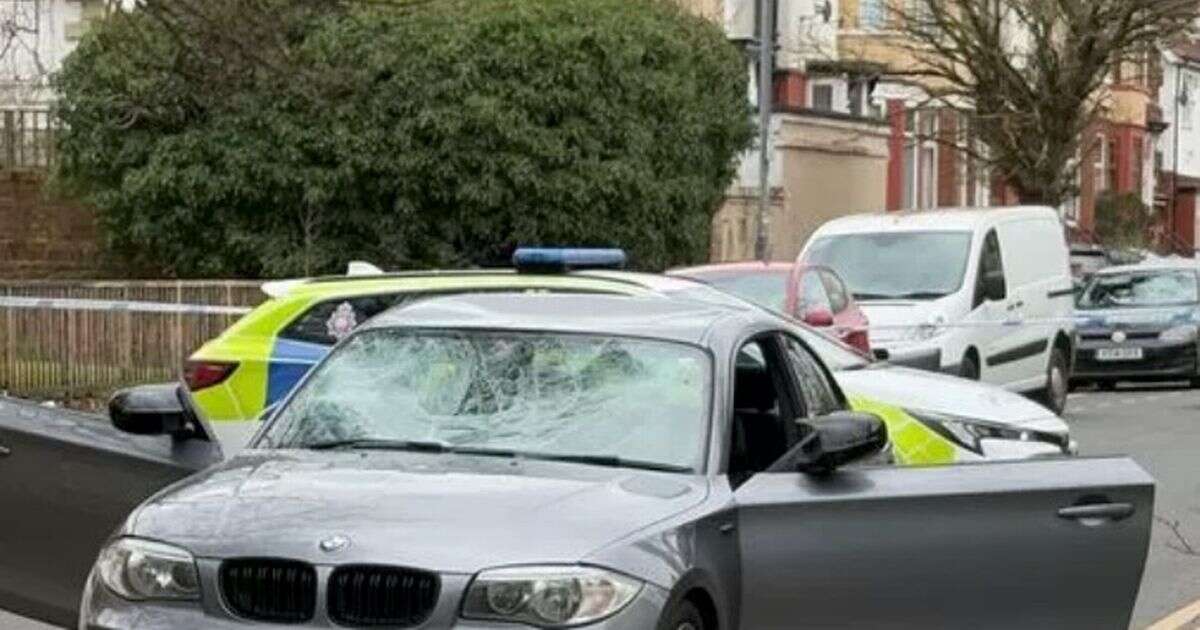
(655, 317)
(1154, 264)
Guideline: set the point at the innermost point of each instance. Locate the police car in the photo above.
(256, 362)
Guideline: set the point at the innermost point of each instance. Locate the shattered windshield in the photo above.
(537, 394)
(1141, 289)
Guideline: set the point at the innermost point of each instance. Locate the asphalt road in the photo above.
(1160, 428)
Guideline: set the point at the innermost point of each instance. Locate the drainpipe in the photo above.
(766, 89)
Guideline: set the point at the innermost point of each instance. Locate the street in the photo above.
(1160, 427)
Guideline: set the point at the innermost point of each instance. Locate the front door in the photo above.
(67, 481)
(1038, 544)
(998, 345)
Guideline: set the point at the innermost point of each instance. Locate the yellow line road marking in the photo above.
(1180, 619)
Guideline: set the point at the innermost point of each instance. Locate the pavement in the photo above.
(1160, 428)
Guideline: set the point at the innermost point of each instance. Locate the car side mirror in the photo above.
(833, 441)
(151, 410)
(818, 317)
(994, 287)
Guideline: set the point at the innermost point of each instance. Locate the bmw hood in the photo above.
(1140, 318)
(442, 512)
(939, 393)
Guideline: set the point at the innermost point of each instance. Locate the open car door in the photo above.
(1034, 544)
(67, 480)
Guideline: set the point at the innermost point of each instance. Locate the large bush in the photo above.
(442, 136)
(1123, 221)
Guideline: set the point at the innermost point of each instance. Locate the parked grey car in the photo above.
(498, 461)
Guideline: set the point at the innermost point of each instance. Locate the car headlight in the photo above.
(969, 433)
(548, 597)
(1178, 334)
(141, 569)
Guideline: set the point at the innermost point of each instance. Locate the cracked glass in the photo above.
(530, 393)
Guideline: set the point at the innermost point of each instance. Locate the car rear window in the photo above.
(328, 322)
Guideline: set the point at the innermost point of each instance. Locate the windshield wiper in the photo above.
(915, 295)
(442, 447)
(921, 295)
(407, 445)
(611, 461)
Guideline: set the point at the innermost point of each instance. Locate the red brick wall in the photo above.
(948, 193)
(895, 169)
(1185, 218)
(44, 237)
(791, 90)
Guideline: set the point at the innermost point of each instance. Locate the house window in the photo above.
(1100, 166)
(857, 91)
(872, 14)
(973, 174)
(1111, 176)
(1187, 111)
(822, 97)
(920, 159)
(1138, 159)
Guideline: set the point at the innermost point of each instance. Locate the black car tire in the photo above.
(685, 616)
(1196, 382)
(1058, 378)
(969, 368)
(1106, 386)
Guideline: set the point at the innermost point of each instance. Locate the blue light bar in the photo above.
(554, 260)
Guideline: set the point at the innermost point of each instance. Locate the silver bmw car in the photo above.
(554, 461)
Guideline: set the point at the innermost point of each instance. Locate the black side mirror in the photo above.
(151, 410)
(994, 287)
(839, 439)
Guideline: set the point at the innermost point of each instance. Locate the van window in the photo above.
(896, 265)
(991, 262)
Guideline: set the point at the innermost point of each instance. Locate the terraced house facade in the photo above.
(835, 60)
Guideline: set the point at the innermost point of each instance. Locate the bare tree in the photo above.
(1029, 76)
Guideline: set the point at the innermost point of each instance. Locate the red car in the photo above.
(812, 294)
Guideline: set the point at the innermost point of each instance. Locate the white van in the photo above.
(944, 289)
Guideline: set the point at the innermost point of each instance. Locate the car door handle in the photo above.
(1097, 514)
(1016, 305)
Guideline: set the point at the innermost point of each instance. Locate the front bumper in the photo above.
(102, 610)
(1160, 361)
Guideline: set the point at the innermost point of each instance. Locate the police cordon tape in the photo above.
(82, 304)
(129, 306)
(1007, 323)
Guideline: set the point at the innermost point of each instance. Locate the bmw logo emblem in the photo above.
(1119, 336)
(334, 544)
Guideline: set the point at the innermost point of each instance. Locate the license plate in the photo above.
(1119, 354)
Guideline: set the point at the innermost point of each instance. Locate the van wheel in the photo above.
(1054, 396)
(969, 368)
(685, 617)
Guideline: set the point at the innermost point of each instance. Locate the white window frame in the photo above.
(918, 195)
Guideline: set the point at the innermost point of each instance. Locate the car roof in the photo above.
(732, 267)
(678, 320)
(1164, 264)
(944, 220)
(484, 279)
